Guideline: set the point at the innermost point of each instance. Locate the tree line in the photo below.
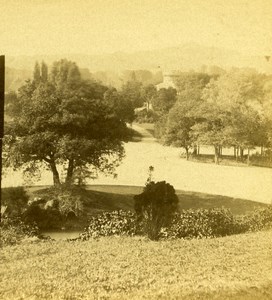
(59, 118)
(230, 110)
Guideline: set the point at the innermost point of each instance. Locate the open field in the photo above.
(235, 267)
(252, 183)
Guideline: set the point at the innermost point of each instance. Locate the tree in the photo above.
(195, 82)
(65, 122)
(155, 206)
(164, 100)
(184, 114)
(212, 129)
(178, 128)
(232, 104)
(37, 73)
(122, 107)
(44, 72)
(131, 91)
(148, 94)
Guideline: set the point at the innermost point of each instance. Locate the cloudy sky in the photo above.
(101, 26)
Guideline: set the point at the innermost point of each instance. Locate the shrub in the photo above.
(203, 223)
(111, 223)
(49, 218)
(69, 201)
(13, 231)
(260, 219)
(57, 207)
(15, 199)
(155, 207)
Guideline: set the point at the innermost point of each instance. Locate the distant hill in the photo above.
(184, 58)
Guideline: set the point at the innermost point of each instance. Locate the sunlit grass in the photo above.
(236, 267)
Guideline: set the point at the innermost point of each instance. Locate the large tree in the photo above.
(182, 114)
(231, 112)
(164, 100)
(122, 107)
(65, 122)
(179, 126)
(131, 91)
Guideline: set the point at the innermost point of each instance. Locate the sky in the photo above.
(31, 27)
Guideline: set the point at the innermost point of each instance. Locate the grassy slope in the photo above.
(235, 267)
(99, 198)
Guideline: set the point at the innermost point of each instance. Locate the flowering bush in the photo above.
(13, 231)
(111, 223)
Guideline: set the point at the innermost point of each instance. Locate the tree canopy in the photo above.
(65, 121)
(230, 110)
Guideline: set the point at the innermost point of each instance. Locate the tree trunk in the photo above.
(242, 154)
(248, 156)
(216, 155)
(187, 153)
(234, 151)
(198, 149)
(220, 151)
(70, 171)
(237, 153)
(195, 150)
(55, 172)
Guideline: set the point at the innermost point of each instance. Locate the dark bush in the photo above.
(112, 223)
(155, 207)
(15, 199)
(49, 218)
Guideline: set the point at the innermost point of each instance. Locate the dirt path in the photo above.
(146, 136)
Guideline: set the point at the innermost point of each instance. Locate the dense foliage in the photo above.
(112, 223)
(14, 201)
(155, 207)
(52, 208)
(14, 230)
(201, 223)
(59, 119)
(232, 109)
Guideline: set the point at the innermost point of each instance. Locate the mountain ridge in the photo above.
(184, 57)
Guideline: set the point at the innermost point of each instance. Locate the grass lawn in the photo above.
(99, 198)
(234, 267)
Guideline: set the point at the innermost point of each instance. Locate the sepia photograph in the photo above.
(136, 149)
